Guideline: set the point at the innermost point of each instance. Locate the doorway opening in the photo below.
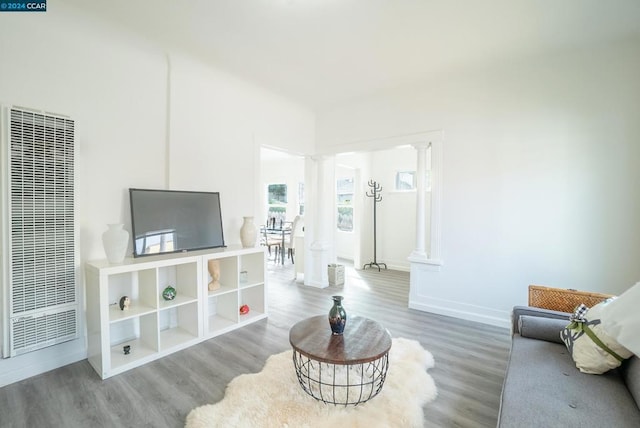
(395, 171)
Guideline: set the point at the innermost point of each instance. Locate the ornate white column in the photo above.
(419, 254)
(319, 207)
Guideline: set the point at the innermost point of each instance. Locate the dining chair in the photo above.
(297, 229)
(269, 241)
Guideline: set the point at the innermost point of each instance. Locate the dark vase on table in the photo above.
(337, 316)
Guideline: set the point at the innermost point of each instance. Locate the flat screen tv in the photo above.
(170, 221)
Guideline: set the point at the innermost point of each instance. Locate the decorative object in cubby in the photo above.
(213, 266)
(126, 349)
(244, 309)
(337, 316)
(169, 293)
(248, 233)
(124, 303)
(115, 241)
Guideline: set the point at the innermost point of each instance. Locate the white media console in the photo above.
(153, 327)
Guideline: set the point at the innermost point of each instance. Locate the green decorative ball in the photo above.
(169, 293)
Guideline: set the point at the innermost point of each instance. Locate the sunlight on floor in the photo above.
(354, 279)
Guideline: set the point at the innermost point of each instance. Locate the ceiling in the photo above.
(324, 52)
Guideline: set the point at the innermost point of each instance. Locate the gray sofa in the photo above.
(543, 387)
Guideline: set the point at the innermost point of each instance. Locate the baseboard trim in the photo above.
(39, 366)
(390, 266)
(399, 267)
(317, 284)
(464, 311)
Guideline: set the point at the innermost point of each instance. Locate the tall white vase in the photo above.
(248, 233)
(115, 241)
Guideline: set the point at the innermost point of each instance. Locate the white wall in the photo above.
(541, 165)
(218, 124)
(144, 119)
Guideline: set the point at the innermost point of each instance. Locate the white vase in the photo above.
(115, 241)
(248, 233)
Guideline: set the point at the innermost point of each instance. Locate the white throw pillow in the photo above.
(588, 355)
(621, 319)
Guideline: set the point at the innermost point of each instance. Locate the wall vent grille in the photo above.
(42, 230)
(45, 329)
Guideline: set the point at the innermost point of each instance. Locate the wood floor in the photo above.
(470, 363)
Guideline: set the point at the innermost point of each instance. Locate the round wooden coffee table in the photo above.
(347, 369)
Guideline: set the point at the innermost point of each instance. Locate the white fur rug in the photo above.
(274, 398)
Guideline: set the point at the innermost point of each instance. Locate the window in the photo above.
(301, 198)
(277, 197)
(277, 194)
(405, 180)
(344, 196)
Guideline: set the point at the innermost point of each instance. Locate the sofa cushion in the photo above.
(519, 311)
(543, 388)
(541, 328)
(631, 374)
(621, 319)
(592, 349)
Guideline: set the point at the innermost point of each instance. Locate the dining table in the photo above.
(281, 232)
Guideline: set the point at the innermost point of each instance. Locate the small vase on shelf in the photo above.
(248, 233)
(337, 316)
(115, 241)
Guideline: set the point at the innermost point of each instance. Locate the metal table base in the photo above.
(341, 384)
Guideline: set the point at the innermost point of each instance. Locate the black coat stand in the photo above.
(377, 197)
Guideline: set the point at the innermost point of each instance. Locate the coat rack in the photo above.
(377, 197)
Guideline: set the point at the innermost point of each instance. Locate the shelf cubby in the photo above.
(135, 310)
(224, 289)
(139, 286)
(140, 333)
(253, 265)
(183, 277)
(179, 325)
(228, 272)
(222, 312)
(253, 297)
(140, 351)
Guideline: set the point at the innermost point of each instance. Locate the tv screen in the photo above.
(169, 221)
